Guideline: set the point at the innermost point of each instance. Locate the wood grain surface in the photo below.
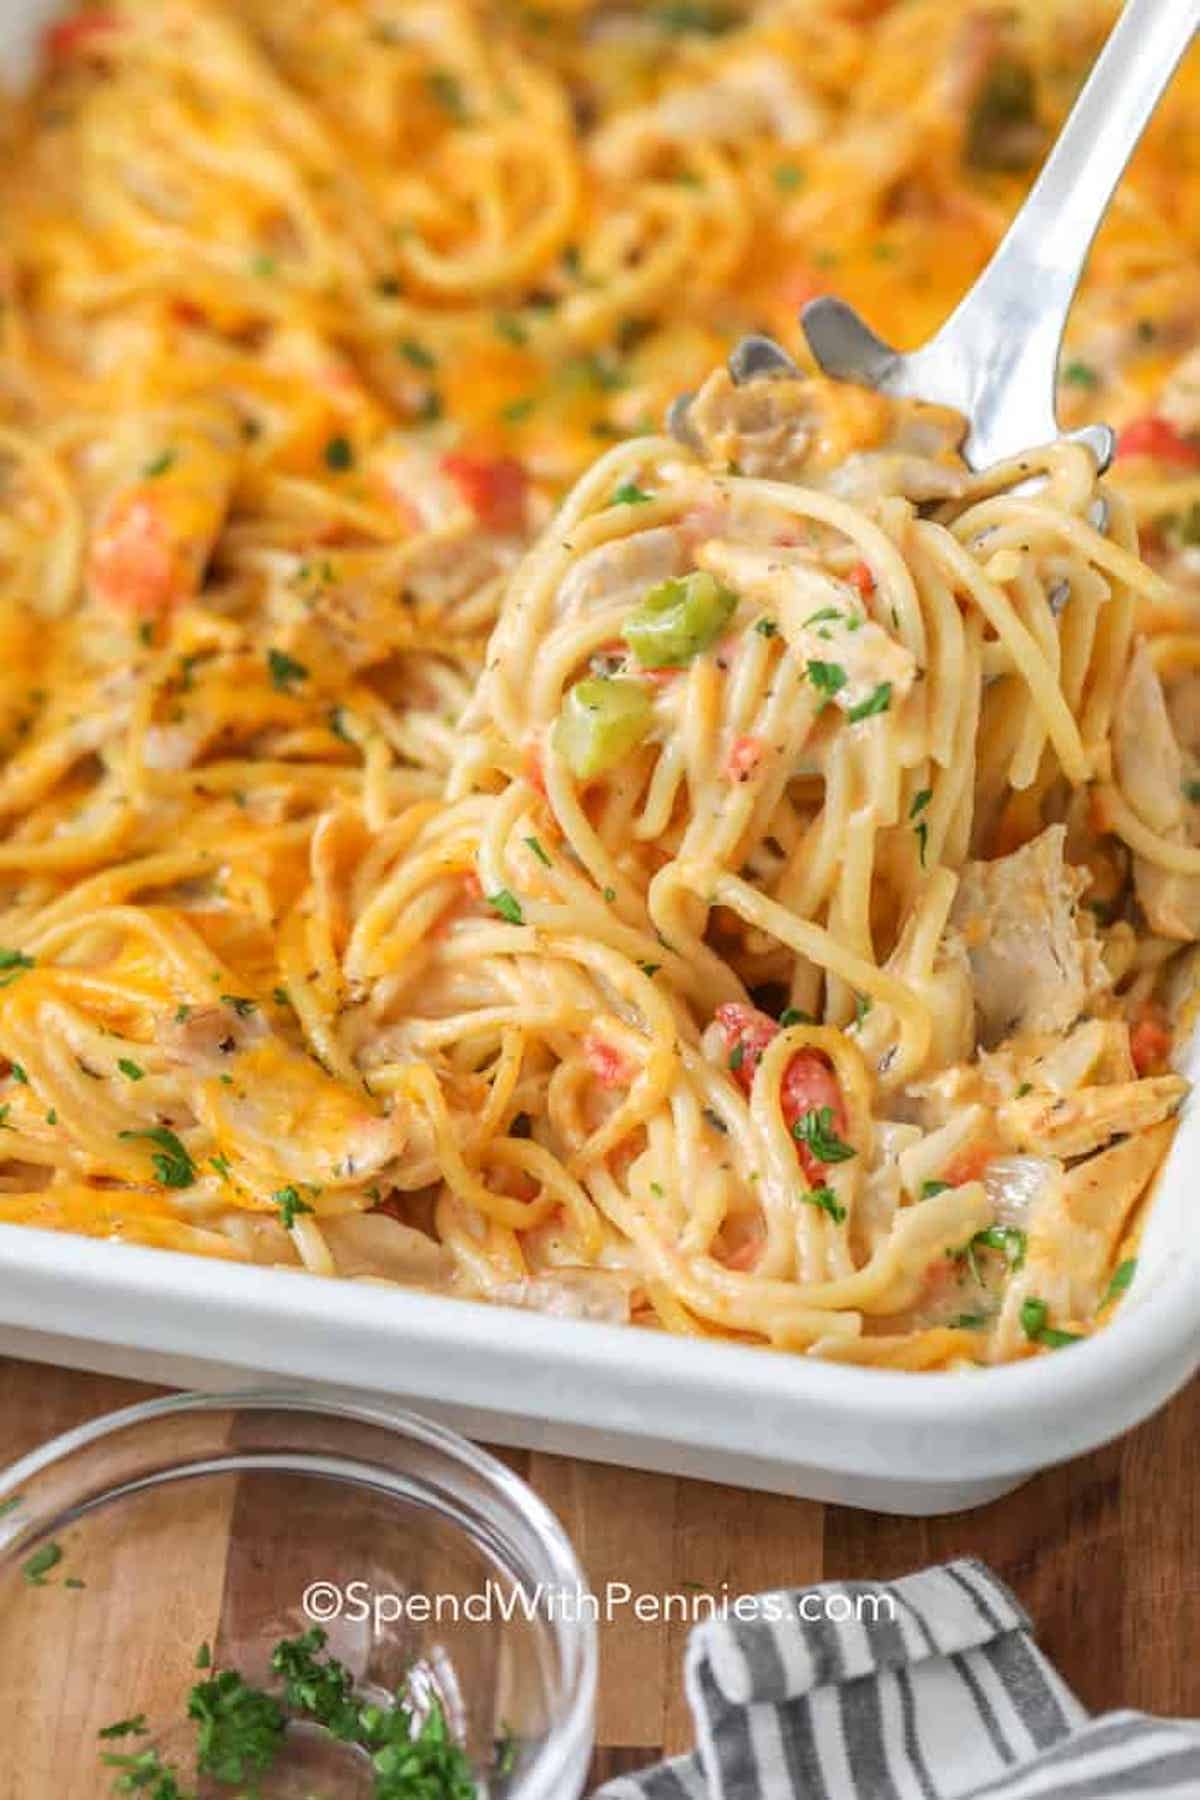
(1102, 1551)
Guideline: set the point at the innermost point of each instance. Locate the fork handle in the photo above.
(1009, 327)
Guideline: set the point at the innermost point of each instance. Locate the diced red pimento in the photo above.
(132, 564)
(968, 1165)
(495, 488)
(860, 577)
(79, 35)
(1150, 1042)
(606, 1063)
(809, 1083)
(1157, 437)
(744, 757)
(747, 1032)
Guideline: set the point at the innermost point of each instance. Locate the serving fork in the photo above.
(995, 359)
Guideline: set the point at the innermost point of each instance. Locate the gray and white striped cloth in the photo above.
(931, 1690)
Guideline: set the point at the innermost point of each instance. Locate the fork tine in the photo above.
(758, 355)
(843, 345)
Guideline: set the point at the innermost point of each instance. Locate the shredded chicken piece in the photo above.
(1075, 1224)
(1076, 1124)
(823, 620)
(620, 571)
(1035, 966)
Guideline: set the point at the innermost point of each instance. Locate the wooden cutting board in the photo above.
(1103, 1552)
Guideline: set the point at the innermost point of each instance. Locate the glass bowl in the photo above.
(148, 1551)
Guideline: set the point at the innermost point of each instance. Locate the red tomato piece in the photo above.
(606, 1063)
(968, 1165)
(744, 757)
(1153, 436)
(77, 35)
(810, 1085)
(495, 488)
(861, 578)
(747, 1032)
(1149, 1043)
(132, 564)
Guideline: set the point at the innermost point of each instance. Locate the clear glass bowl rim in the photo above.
(571, 1732)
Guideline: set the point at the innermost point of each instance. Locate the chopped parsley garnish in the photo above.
(4, 1124)
(825, 615)
(1080, 374)
(173, 1166)
(1009, 1240)
(930, 1188)
(158, 465)
(221, 1165)
(766, 628)
(518, 409)
(339, 453)
(921, 833)
(239, 1728)
(877, 702)
(715, 1120)
(288, 1200)
(536, 847)
(827, 1201)
(1191, 791)
(430, 409)
(737, 1056)
(920, 802)
(787, 177)
(862, 1006)
(826, 677)
(1122, 1278)
(145, 1774)
(17, 1071)
(1034, 1314)
(416, 353)
(36, 1567)
(285, 670)
(511, 329)
(13, 963)
(629, 494)
(240, 1004)
(649, 969)
(792, 1015)
(970, 1321)
(1026, 1087)
(447, 91)
(507, 905)
(131, 1070)
(686, 16)
(815, 1129)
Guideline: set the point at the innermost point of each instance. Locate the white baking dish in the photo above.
(902, 1443)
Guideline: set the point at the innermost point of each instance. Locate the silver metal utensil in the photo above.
(995, 359)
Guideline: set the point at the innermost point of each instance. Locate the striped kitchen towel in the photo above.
(926, 1688)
